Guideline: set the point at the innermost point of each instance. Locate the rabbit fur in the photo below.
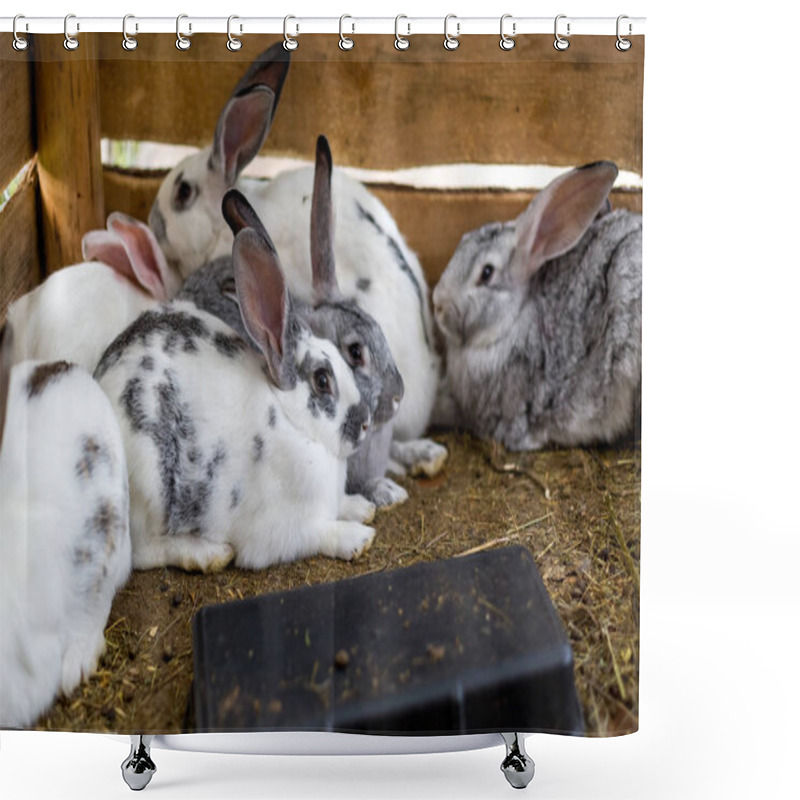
(65, 546)
(542, 320)
(358, 337)
(248, 465)
(76, 313)
(375, 267)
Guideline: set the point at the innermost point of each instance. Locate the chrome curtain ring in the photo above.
(182, 43)
(288, 42)
(451, 42)
(233, 44)
(561, 43)
(507, 42)
(345, 42)
(128, 42)
(623, 44)
(400, 42)
(70, 42)
(20, 43)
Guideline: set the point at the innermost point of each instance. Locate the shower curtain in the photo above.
(517, 527)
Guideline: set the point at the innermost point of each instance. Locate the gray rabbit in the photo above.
(542, 318)
(355, 333)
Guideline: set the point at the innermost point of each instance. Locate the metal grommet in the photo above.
(182, 43)
(70, 42)
(20, 43)
(451, 42)
(288, 42)
(400, 42)
(561, 43)
(233, 44)
(128, 42)
(345, 42)
(623, 44)
(507, 42)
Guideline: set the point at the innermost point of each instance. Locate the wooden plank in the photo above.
(431, 221)
(19, 254)
(384, 109)
(17, 134)
(68, 135)
(131, 192)
(434, 222)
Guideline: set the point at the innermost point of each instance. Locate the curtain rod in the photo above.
(346, 25)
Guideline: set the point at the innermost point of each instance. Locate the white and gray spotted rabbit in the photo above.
(76, 313)
(65, 547)
(358, 337)
(543, 320)
(375, 267)
(235, 455)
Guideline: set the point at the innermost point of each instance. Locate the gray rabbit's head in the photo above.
(485, 285)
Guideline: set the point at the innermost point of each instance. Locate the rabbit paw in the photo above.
(191, 553)
(348, 540)
(420, 456)
(355, 507)
(385, 493)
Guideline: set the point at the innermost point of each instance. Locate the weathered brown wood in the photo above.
(384, 109)
(431, 221)
(434, 222)
(19, 253)
(68, 135)
(17, 134)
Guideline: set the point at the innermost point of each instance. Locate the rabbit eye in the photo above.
(356, 354)
(486, 274)
(184, 195)
(322, 383)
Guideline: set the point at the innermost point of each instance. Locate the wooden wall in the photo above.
(19, 230)
(379, 108)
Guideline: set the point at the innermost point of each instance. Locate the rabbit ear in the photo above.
(559, 215)
(239, 214)
(245, 121)
(323, 264)
(269, 69)
(263, 300)
(147, 262)
(107, 247)
(6, 342)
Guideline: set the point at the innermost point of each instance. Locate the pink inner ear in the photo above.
(261, 288)
(562, 212)
(107, 247)
(246, 122)
(146, 259)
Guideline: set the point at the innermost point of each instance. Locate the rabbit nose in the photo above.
(396, 402)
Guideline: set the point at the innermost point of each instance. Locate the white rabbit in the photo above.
(233, 454)
(375, 267)
(76, 313)
(65, 547)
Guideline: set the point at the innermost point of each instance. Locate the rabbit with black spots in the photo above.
(65, 546)
(235, 455)
(332, 316)
(375, 267)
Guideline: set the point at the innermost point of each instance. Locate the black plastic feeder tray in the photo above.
(463, 645)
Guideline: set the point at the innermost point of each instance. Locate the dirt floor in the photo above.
(578, 511)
